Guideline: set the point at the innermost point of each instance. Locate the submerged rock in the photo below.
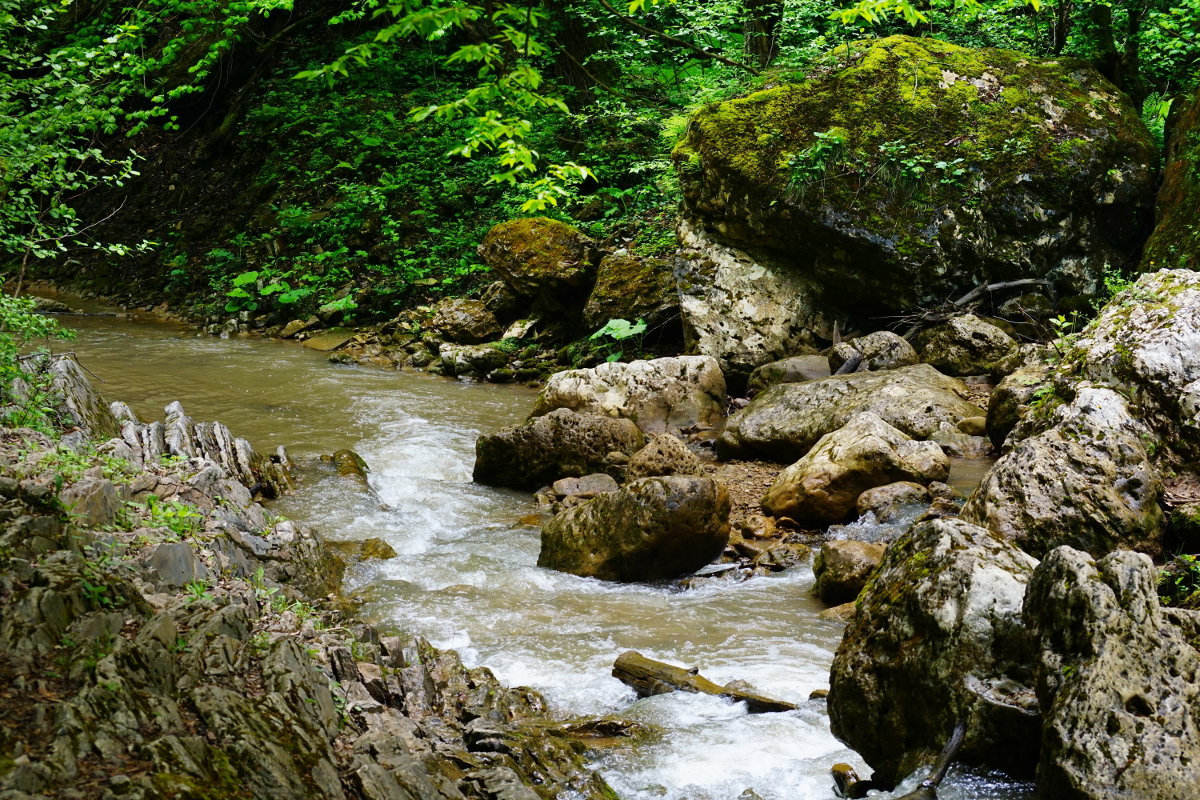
(559, 444)
(824, 485)
(665, 395)
(937, 637)
(1037, 167)
(785, 421)
(1118, 682)
(651, 529)
(1085, 482)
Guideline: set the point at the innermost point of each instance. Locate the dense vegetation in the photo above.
(347, 158)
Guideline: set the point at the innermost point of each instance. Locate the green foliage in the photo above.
(180, 519)
(618, 331)
(1179, 582)
(26, 396)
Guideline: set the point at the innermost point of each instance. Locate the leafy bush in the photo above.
(26, 397)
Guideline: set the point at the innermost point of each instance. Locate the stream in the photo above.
(466, 575)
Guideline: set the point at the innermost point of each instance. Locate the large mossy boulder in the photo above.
(1175, 243)
(936, 638)
(912, 170)
(786, 420)
(544, 261)
(653, 528)
(558, 445)
(663, 395)
(823, 487)
(1086, 481)
(631, 287)
(1118, 682)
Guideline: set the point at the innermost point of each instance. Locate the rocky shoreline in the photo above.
(165, 636)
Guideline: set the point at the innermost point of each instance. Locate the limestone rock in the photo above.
(842, 568)
(1013, 400)
(651, 529)
(630, 287)
(795, 369)
(824, 485)
(937, 637)
(665, 395)
(1119, 684)
(471, 359)
(875, 351)
(559, 444)
(966, 345)
(663, 455)
(742, 311)
(93, 502)
(464, 320)
(785, 421)
(89, 410)
(882, 501)
(1146, 343)
(1086, 482)
(330, 339)
(1024, 202)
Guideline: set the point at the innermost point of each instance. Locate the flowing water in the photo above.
(466, 574)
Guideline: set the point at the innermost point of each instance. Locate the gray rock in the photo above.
(966, 345)
(875, 351)
(1119, 684)
(1014, 400)
(744, 312)
(653, 528)
(174, 564)
(665, 395)
(1146, 344)
(559, 444)
(883, 501)
(92, 502)
(1086, 482)
(89, 410)
(664, 455)
(585, 487)
(937, 637)
(842, 569)
(785, 421)
(795, 369)
(824, 485)
(471, 359)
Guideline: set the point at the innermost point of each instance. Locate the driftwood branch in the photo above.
(982, 289)
(649, 677)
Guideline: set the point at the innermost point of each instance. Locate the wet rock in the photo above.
(665, 395)
(92, 502)
(785, 421)
(1119, 684)
(875, 351)
(630, 287)
(788, 370)
(743, 311)
(542, 260)
(352, 466)
(884, 501)
(464, 320)
(471, 359)
(842, 569)
(938, 638)
(824, 485)
(965, 345)
(663, 455)
(653, 528)
(298, 326)
(330, 339)
(377, 548)
(865, 248)
(1086, 482)
(559, 444)
(1146, 344)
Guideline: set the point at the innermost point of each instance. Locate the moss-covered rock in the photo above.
(629, 287)
(544, 261)
(913, 169)
(1175, 242)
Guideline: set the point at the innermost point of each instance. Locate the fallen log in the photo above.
(649, 677)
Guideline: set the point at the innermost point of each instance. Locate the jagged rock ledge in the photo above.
(165, 636)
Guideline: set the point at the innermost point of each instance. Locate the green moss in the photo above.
(1175, 243)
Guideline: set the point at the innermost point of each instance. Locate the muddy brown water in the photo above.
(466, 574)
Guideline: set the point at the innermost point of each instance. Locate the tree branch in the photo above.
(666, 37)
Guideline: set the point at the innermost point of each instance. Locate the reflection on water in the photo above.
(466, 575)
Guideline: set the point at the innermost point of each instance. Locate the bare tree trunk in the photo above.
(761, 27)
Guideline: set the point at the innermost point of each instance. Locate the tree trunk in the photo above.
(761, 27)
